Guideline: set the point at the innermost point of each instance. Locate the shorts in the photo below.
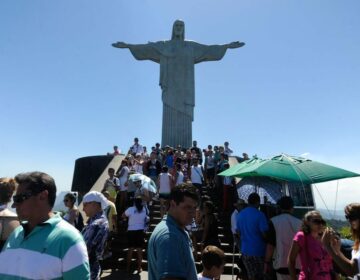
(136, 238)
(254, 266)
(210, 173)
(164, 195)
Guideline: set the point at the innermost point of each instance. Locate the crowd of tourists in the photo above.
(170, 167)
(38, 243)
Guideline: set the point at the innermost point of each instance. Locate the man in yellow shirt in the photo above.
(110, 213)
(111, 185)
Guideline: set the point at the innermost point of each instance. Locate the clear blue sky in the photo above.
(66, 93)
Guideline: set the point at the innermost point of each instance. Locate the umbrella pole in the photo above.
(336, 197)
(233, 259)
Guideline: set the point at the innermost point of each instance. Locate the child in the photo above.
(213, 262)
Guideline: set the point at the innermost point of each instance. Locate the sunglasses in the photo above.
(352, 217)
(20, 198)
(318, 221)
(65, 200)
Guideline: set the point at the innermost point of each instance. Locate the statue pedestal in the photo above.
(176, 128)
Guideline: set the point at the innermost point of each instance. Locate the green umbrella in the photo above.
(289, 168)
(237, 167)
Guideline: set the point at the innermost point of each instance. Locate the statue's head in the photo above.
(178, 31)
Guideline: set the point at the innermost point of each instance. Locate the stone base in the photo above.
(176, 128)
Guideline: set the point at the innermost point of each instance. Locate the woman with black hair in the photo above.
(73, 215)
(123, 174)
(210, 226)
(138, 218)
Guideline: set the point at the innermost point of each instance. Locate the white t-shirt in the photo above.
(228, 151)
(137, 149)
(200, 277)
(136, 219)
(123, 179)
(164, 179)
(114, 181)
(180, 178)
(196, 174)
(356, 255)
(138, 168)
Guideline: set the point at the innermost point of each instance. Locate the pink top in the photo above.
(316, 263)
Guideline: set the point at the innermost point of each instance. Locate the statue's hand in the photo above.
(235, 45)
(120, 45)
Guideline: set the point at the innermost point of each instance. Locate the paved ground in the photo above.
(118, 274)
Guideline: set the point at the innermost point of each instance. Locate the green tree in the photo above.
(345, 232)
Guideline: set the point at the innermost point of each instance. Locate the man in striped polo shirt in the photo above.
(45, 246)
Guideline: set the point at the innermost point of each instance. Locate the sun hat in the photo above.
(95, 196)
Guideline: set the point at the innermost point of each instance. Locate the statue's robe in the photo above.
(177, 59)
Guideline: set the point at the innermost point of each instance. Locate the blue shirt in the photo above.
(251, 223)
(169, 161)
(170, 252)
(95, 235)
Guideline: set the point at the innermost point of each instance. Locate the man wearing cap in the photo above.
(44, 246)
(282, 229)
(96, 231)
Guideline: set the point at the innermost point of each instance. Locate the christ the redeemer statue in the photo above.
(177, 58)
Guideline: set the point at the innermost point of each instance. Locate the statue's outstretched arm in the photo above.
(147, 51)
(235, 45)
(121, 45)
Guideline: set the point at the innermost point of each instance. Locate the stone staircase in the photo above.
(119, 243)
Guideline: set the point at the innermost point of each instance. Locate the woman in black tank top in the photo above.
(210, 225)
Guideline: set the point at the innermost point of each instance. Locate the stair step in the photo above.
(121, 264)
(119, 244)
